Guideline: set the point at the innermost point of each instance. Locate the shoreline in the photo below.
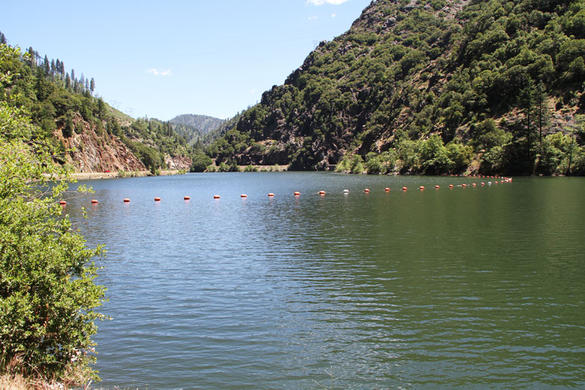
(121, 174)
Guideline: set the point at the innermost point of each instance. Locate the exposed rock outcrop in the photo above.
(92, 150)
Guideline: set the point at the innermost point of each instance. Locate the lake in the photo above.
(462, 288)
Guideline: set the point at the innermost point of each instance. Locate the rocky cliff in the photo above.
(88, 151)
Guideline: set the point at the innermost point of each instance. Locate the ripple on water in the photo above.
(448, 289)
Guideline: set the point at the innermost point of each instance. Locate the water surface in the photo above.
(463, 288)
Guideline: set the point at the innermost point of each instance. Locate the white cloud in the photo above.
(321, 2)
(159, 72)
(312, 18)
(333, 16)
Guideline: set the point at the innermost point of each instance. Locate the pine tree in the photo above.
(2, 38)
(31, 57)
(92, 85)
(46, 65)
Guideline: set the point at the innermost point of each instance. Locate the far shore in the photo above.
(120, 174)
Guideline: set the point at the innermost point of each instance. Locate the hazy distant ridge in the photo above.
(205, 124)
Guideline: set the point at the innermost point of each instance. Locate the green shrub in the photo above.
(200, 162)
(47, 292)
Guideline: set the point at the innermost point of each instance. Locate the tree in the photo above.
(47, 292)
(2, 38)
(92, 85)
(200, 162)
(68, 128)
(46, 65)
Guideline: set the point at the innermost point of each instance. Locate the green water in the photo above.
(463, 288)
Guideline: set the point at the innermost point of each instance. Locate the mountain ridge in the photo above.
(204, 123)
(430, 87)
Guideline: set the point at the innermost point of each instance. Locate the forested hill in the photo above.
(84, 131)
(430, 87)
(203, 123)
(196, 129)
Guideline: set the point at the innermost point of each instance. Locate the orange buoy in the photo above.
(297, 193)
(322, 193)
(216, 196)
(437, 186)
(483, 184)
(367, 190)
(94, 201)
(126, 200)
(451, 186)
(474, 184)
(62, 203)
(387, 189)
(464, 185)
(243, 196)
(422, 188)
(187, 197)
(157, 199)
(404, 188)
(270, 195)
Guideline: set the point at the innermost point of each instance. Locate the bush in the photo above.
(357, 165)
(200, 162)
(374, 164)
(47, 289)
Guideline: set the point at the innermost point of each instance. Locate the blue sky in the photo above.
(164, 58)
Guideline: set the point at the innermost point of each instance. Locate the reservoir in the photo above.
(477, 287)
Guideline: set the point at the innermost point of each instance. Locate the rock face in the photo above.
(178, 163)
(91, 152)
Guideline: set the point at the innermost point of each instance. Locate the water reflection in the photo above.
(462, 288)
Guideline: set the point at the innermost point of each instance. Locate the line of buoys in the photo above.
(501, 180)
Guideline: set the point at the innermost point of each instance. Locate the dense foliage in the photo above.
(431, 87)
(47, 292)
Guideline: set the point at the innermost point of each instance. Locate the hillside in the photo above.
(203, 123)
(430, 87)
(196, 129)
(84, 131)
